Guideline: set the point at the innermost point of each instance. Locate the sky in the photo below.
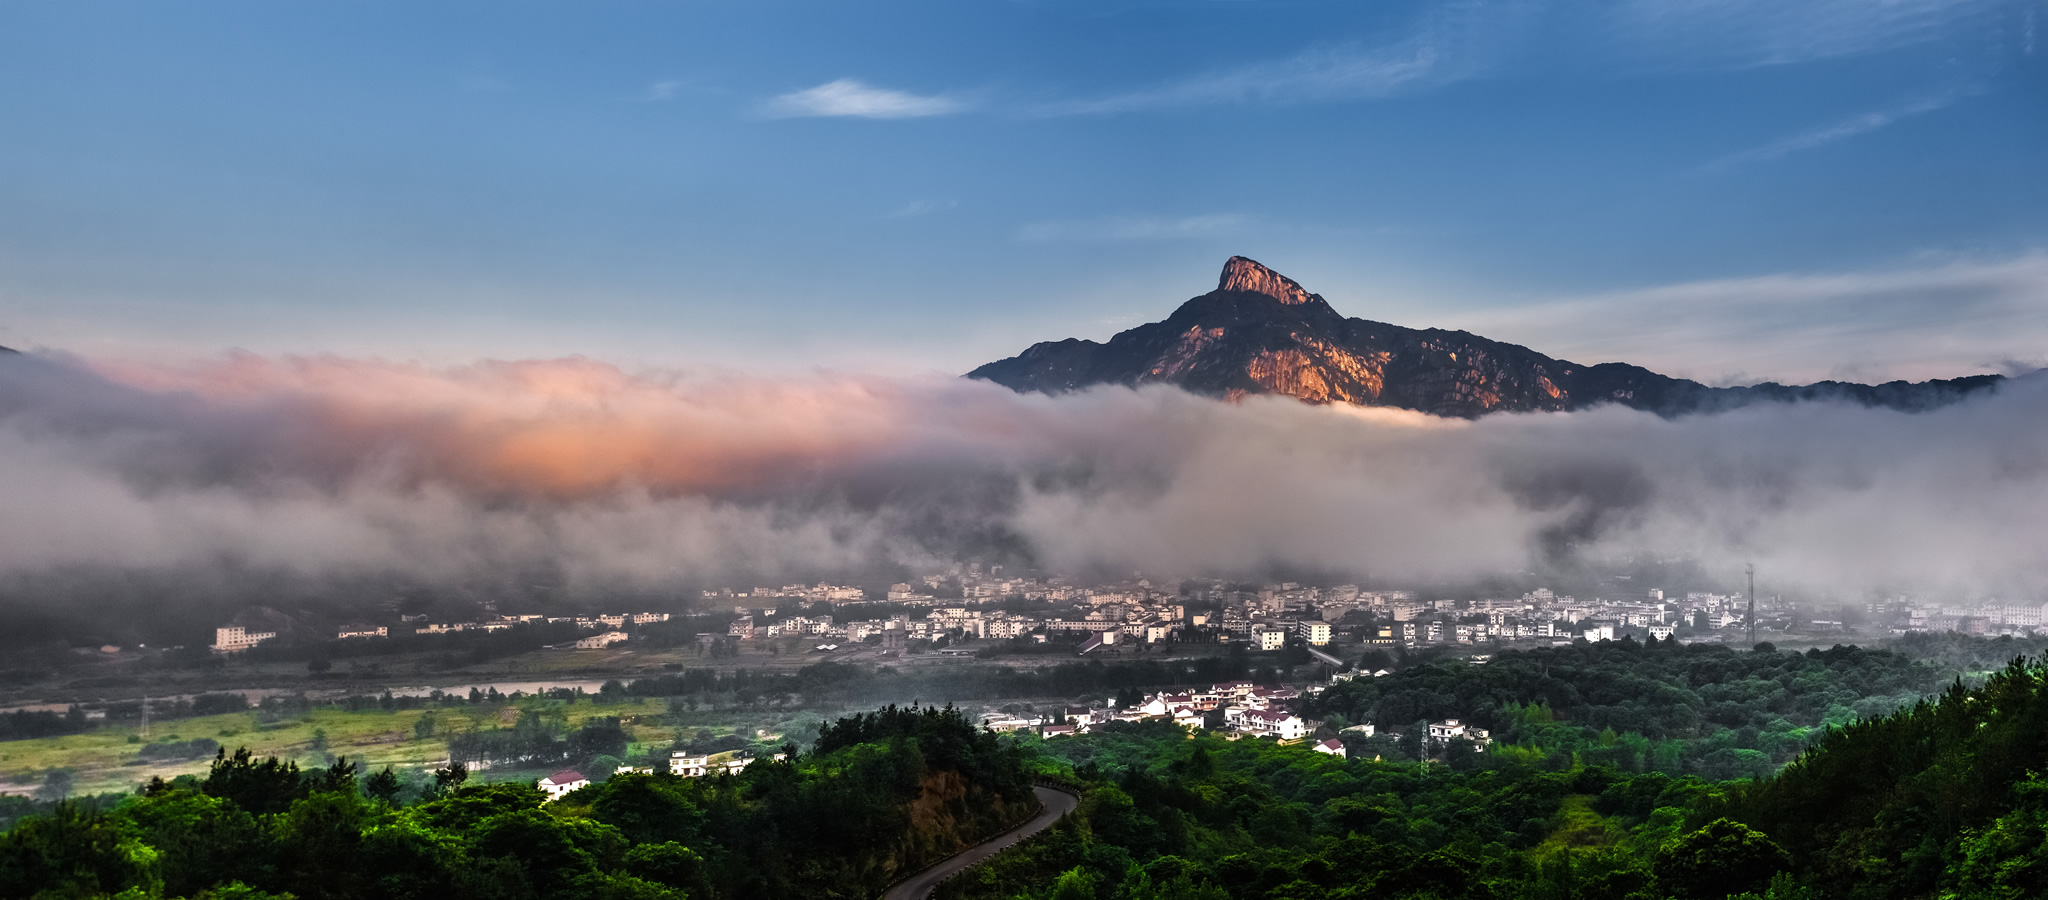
(649, 294)
(1725, 189)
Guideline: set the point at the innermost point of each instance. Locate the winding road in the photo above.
(1057, 803)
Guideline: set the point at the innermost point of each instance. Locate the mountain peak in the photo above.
(1242, 274)
(1225, 344)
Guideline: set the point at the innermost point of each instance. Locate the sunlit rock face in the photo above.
(1241, 274)
(1260, 332)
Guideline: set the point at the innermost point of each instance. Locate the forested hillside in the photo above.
(1944, 799)
(881, 794)
(1698, 709)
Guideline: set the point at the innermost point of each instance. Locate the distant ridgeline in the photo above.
(879, 796)
(1259, 332)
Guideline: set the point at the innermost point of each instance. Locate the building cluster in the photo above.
(971, 603)
(1263, 618)
(1992, 617)
(689, 765)
(1239, 708)
(236, 638)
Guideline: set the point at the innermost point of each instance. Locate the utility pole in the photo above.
(1750, 570)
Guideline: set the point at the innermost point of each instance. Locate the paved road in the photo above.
(1057, 804)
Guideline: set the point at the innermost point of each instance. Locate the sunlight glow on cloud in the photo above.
(339, 467)
(850, 98)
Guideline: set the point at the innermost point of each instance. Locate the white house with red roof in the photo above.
(562, 782)
(1332, 747)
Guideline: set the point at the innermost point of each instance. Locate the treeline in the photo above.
(39, 723)
(883, 795)
(845, 682)
(533, 740)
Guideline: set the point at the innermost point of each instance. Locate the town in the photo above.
(971, 609)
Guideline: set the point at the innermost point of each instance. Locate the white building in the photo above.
(562, 782)
(601, 641)
(1269, 638)
(1316, 633)
(235, 639)
(1451, 729)
(1331, 747)
(1285, 726)
(363, 631)
(687, 766)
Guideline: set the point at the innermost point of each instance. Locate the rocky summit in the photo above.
(1259, 332)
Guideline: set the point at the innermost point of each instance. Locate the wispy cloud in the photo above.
(1476, 39)
(1452, 43)
(1935, 319)
(1754, 33)
(1136, 228)
(1349, 72)
(917, 208)
(1838, 131)
(661, 91)
(848, 97)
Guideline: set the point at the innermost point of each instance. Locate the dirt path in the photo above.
(1057, 804)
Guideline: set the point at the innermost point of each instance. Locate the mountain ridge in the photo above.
(1260, 332)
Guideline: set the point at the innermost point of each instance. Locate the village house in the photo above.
(1002, 724)
(600, 641)
(561, 783)
(1285, 726)
(1331, 747)
(1451, 729)
(687, 765)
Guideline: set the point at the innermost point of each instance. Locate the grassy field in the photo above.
(107, 759)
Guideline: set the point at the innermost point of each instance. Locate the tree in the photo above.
(1722, 858)
(667, 863)
(450, 778)
(57, 784)
(423, 728)
(318, 665)
(2009, 859)
(268, 786)
(383, 786)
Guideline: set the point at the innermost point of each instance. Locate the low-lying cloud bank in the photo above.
(336, 467)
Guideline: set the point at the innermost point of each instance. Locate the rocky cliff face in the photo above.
(1259, 332)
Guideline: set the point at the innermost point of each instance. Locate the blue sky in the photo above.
(1727, 189)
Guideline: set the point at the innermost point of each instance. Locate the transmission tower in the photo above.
(1750, 570)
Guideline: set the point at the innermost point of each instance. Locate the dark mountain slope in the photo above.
(1260, 333)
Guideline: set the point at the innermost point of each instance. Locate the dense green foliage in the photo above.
(1940, 800)
(882, 794)
(1699, 709)
(1945, 796)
